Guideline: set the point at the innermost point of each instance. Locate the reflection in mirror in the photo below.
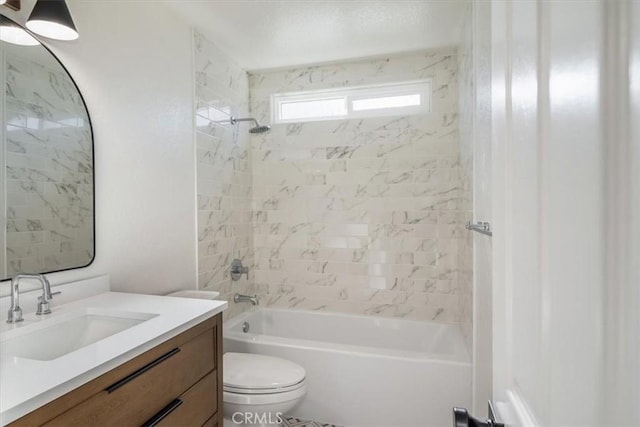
(46, 154)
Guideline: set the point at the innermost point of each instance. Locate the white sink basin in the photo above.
(55, 337)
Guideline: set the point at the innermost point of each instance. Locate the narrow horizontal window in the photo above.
(305, 109)
(386, 102)
(405, 98)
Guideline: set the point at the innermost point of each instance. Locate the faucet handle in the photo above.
(47, 296)
(43, 307)
(237, 269)
(43, 303)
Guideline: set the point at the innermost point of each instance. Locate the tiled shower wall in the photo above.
(363, 216)
(223, 172)
(48, 167)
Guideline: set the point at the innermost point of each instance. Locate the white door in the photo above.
(566, 186)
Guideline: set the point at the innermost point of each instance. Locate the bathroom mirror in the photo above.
(46, 158)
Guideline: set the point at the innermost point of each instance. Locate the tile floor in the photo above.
(295, 422)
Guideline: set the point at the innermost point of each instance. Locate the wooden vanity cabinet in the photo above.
(177, 383)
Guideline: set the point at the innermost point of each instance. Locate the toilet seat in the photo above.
(264, 399)
(258, 379)
(241, 390)
(259, 372)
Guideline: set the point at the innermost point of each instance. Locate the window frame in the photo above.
(357, 93)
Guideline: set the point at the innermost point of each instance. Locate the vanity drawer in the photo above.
(193, 408)
(135, 398)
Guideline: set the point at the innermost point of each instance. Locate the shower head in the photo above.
(258, 128)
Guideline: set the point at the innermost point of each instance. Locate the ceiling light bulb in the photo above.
(52, 19)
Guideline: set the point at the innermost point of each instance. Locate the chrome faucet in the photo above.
(15, 312)
(246, 298)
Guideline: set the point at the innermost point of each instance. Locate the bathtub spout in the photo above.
(246, 298)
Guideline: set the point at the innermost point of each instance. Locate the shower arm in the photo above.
(257, 128)
(233, 120)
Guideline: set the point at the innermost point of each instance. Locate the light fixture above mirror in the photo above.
(49, 18)
(11, 32)
(13, 4)
(52, 19)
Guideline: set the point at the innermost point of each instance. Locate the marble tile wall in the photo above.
(362, 216)
(48, 169)
(223, 172)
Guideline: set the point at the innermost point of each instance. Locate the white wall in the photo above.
(132, 64)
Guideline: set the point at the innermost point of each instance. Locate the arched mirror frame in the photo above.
(8, 274)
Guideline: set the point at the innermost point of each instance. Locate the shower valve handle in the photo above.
(237, 270)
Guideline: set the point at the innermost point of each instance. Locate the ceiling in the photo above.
(262, 34)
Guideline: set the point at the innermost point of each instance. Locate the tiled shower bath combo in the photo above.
(356, 217)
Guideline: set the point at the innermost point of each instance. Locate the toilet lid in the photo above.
(258, 372)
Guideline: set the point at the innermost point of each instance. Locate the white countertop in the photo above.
(27, 384)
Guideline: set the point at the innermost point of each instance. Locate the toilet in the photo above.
(258, 389)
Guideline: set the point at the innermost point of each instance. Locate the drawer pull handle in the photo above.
(145, 368)
(164, 412)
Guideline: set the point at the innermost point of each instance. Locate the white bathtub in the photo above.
(362, 370)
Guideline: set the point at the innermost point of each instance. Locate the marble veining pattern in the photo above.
(367, 215)
(48, 170)
(224, 185)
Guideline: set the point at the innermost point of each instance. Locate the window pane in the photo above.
(387, 99)
(386, 102)
(313, 109)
